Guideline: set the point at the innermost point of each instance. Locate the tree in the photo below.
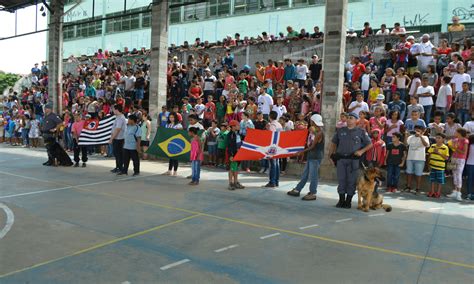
(7, 80)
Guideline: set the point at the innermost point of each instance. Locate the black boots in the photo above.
(348, 202)
(341, 202)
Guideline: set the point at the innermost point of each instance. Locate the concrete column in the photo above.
(159, 59)
(55, 54)
(333, 68)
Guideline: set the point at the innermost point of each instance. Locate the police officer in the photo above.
(348, 145)
(49, 127)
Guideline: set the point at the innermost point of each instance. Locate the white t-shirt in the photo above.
(416, 150)
(469, 126)
(363, 107)
(199, 108)
(280, 110)
(209, 83)
(129, 83)
(301, 71)
(443, 93)
(265, 103)
(386, 32)
(365, 85)
(458, 79)
(425, 101)
(470, 158)
(425, 48)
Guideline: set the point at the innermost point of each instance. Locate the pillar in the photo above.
(159, 59)
(333, 68)
(55, 54)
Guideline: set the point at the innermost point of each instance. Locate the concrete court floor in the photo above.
(89, 226)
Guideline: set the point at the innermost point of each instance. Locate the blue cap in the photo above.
(246, 67)
(353, 114)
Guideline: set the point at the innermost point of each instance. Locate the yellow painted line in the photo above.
(101, 245)
(367, 247)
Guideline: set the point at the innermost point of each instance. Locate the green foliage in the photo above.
(7, 80)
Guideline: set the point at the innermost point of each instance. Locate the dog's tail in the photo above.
(387, 207)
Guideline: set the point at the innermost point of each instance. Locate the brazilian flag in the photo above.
(171, 143)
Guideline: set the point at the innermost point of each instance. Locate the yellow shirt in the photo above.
(230, 109)
(456, 28)
(373, 94)
(437, 162)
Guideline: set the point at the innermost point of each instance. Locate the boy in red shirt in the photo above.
(209, 112)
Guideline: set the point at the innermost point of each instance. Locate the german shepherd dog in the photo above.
(367, 197)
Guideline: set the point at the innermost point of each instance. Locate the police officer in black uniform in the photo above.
(347, 147)
(49, 127)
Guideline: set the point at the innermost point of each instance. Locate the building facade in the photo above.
(212, 20)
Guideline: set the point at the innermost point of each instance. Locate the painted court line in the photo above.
(226, 248)
(174, 264)
(407, 211)
(310, 226)
(436, 208)
(375, 215)
(270, 236)
(343, 220)
(9, 222)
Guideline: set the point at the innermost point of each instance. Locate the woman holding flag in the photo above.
(173, 123)
(315, 152)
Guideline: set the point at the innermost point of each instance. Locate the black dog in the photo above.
(60, 157)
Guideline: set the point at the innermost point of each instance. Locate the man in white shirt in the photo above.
(129, 83)
(458, 79)
(417, 143)
(358, 105)
(425, 94)
(301, 72)
(383, 30)
(265, 103)
(425, 53)
(209, 83)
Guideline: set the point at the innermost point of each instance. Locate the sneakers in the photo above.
(189, 177)
(193, 183)
(430, 194)
(83, 165)
(293, 192)
(437, 195)
(231, 186)
(262, 171)
(135, 174)
(238, 185)
(458, 196)
(407, 189)
(247, 170)
(309, 196)
(76, 165)
(270, 185)
(452, 195)
(122, 174)
(114, 171)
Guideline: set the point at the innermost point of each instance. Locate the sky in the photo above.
(18, 55)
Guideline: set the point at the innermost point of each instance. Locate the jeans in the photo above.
(118, 153)
(311, 171)
(393, 175)
(195, 170)
(427, 113)
(470, 179)
(131, 154)
(274, 173)
(403, 93)
(384, 64)
(264, 164)
(443, 110)
(463, 116)
(24, 135)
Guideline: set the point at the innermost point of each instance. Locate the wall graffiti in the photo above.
(418, 20)
(74, 15)
(464, 13)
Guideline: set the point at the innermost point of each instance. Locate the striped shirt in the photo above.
(437, 162)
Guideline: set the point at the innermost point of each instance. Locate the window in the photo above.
(68, 32)
(175, 15)
(146, 20)
(127, 22)
(89, 29)
(300, 3)
(246, 6)
(280, 4)
(195, 12)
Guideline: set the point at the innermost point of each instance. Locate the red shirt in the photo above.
(279, 74)
(210, 111)
(357, 72)
(270, 72)
(77, 127)
(403, 57)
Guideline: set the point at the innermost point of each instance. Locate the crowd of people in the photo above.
(416, 100)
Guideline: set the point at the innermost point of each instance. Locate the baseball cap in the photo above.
(317, 119)
(354, 115)
(380, 97)
(233, 123)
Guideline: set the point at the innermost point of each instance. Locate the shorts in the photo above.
(437, 176)
(212, 149)
(144, 143)
(234, 166)
(139, 94)
(415, 167)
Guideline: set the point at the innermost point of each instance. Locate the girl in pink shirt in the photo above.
(196, 155)
(378, 121)
(459, 145)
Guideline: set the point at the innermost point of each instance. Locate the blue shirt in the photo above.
(410, 124)
(132, 133)
(290, 72)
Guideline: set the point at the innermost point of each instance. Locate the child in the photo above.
(438, 155)
(414, 105)
(451, 126)
(301, 124)
(76, 130)
(436, 126)
(362, 122)
(211, 135)
(402, 81)
(131, 146)
(388, 81)
(376, 155)
(342, 120)
(412, 122)
(459, 145)
(378, 121)
(245, 124)
(346, 97)
(396, 156)
(233, 144)
(470, 168)
(416, 157)
(393, 125)
(374, 91)
(2, 127)
(34, 131)
(221, 145)
(196, 155)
